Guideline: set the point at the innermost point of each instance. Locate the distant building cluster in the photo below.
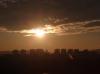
(40, 61)
(70, 53)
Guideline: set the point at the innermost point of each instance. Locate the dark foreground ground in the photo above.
(66, 63)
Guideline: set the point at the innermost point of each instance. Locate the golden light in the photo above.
(39, 33)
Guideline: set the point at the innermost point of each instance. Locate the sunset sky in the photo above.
(63, 24)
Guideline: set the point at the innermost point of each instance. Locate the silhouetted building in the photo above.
(70, 51)
(76, 51)
(39, 51)
(47, 52)
(15, 52)
(63, 52)
(32, 52)
(97, 51)
(60, 62)
(23, 52)
(57, 52)
(36, 52)
(85, 51)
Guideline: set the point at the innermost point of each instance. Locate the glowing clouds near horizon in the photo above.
(63, 29)
(73, 28)
(40, 32)
(35, 32)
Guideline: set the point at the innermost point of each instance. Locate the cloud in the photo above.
(19, 13)
(65, 16)
(72, 28)
(6, 3)
(2, 29)
(81, 27)
(93, 24)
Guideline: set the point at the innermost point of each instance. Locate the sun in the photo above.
(39, 33)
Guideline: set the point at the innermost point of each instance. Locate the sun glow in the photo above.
(39, 33)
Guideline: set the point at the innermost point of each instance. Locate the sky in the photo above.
(68, 24)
